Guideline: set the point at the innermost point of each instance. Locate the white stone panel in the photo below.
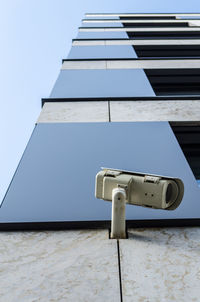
(105, 29)
(131, 64)
(140, 15)
(153, 42)
(59, 266)
(135, 21)
(194, 23)
(161, 265)
(63, 112)
(155, 110)
(136, 42)
(84, 64)
(88, 43)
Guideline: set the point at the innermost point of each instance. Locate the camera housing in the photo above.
(153, 191)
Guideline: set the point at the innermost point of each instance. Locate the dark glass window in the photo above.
(166, 51)
(189, 141)
(164, 34)
(157, 24)
(174, 81)
(149, 18)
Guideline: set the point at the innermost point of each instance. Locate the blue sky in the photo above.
(35, 36)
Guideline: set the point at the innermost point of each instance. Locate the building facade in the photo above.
(127, 97)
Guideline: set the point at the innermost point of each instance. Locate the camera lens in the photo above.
(169, 193)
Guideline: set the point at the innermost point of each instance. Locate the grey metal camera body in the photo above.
(154, 191)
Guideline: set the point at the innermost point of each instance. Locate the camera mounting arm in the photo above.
(118, 222)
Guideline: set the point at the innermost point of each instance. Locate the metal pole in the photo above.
(118, 223)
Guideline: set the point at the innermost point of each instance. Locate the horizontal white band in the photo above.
(138, 29)
(141, 15)
(138, 21)
(130, 64)
(136, 42)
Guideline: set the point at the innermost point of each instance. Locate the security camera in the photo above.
(152, 191)
(158, 192)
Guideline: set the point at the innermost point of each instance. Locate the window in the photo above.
(167, 51)
(164, 34)
(188, 137)
(174, 81)
(155, 24)
(149, 18)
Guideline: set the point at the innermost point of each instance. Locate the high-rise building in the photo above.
(127, 97)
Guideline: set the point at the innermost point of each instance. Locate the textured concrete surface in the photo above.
(84, 64)
(131, 64)
(177, 15)
(161, 265)
(135, 42)
(154, 111)
(88, 43)
(194, 23)
(58, 266)
(134, 21)
(185, 29)
(74, 112)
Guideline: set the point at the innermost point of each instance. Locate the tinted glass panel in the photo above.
(164, 34)
(161, 51)
(174, 81)
(149, 18)
(102, 35)
(189, 140)
(157, 24)
(105, 52)
(55, 180)
(101, 83)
